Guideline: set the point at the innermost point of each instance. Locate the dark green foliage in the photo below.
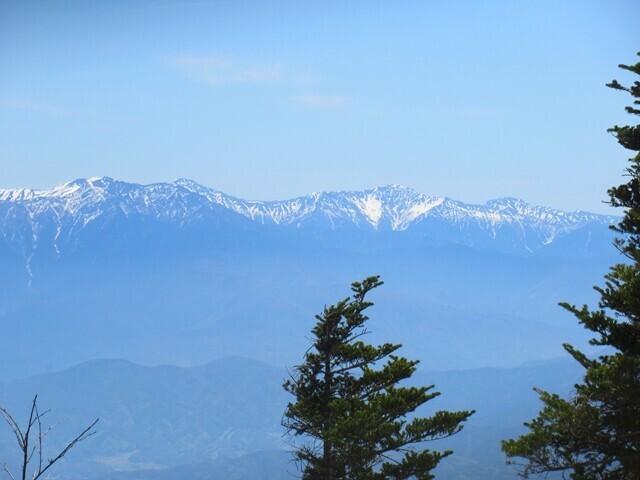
(596, 433)
(351, 416)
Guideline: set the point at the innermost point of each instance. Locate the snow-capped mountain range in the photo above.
(392, 207)
(63, 211)
(177, 272)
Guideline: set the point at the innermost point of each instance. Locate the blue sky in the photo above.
(274, 99)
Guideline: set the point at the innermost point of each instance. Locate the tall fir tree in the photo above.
(350, 419)
(596, 433)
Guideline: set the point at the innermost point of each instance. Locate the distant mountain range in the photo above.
(53, 222)
(177, 273)
(390, 207)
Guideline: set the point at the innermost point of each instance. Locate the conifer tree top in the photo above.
(595, 435)
(349, 418)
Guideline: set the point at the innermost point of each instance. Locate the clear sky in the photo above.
(272, 99)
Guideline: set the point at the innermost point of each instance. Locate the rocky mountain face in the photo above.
(61, 220)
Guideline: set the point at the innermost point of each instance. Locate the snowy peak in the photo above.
(402, 205)
(386, 208)
(390, 206)
(17, 194)
(514, 207)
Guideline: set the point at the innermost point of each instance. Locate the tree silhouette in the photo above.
(30, 441)
(351, 418)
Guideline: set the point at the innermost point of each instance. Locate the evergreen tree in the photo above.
(596, 433)
(351, 417)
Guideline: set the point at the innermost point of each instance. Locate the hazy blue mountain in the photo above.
(154, 418)
(221, 421)
(262, 465)
(176, 273)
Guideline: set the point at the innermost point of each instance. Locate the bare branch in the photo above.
(14, 426)
(28, 448)
(7, 471)
(83, 436)
(25, 449)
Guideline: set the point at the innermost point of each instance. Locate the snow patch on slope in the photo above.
(371, 208)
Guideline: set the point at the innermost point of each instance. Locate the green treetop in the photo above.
(596, 433)
(350, 419)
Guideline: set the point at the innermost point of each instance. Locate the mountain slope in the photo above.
(50, 222)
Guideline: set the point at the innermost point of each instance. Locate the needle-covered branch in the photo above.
(349, 418)
(595, 434)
